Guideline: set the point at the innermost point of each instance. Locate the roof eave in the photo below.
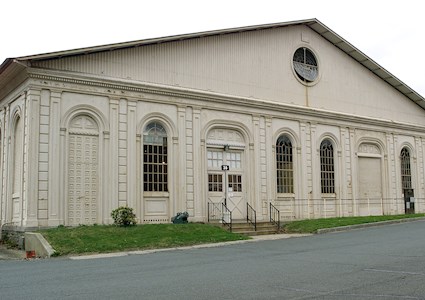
(367, 62)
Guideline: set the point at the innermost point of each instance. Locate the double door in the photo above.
(226, 184)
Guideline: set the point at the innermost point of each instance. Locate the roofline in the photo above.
(137, 43)
(313, 24)
(5, 64)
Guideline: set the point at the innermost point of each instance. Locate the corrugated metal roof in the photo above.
(314, 24)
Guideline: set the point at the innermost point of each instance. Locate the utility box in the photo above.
(180, 218)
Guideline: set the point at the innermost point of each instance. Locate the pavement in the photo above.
(10, 253)
(15, 254)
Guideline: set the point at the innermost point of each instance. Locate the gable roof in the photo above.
(8, 65)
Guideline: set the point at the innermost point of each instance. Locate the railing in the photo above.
(251, 216)
(220, 213)
(331, 207)
(275, 216)
(226, 218)
(214, 212)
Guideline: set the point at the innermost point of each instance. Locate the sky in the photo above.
(389, 32)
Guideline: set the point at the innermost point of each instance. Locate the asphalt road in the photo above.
(385, 262)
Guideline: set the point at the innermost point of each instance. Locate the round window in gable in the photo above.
(305, 65)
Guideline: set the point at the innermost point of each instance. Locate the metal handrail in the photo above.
(226, 216)
(274, 216)
(214, 211)
(251, 216)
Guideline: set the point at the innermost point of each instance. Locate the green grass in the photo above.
(311, 226)
(104, 239)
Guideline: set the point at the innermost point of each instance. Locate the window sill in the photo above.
(156, 194)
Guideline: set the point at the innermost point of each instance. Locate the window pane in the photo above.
(284, 165)
(327, 167)
(155, 158)
(406, 177)
(215, 183)
(215, 158)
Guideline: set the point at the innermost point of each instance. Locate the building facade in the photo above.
(288, 114)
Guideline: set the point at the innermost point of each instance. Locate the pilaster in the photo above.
(33, 154)
(180, 201)
(354, 174)
(114, 154)
(131, 154)
(255, 161)
(200, 206)
(190, 162)
(122, 153)
(55, 202)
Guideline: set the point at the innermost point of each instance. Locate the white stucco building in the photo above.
(304, 121)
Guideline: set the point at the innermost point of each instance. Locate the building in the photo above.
(303, 121)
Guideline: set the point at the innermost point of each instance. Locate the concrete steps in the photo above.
(242, 227)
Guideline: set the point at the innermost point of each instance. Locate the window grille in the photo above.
(215, 158)
(233, 159)
(155, 158)
(284, 165)
(305, 64)
(406, 176)
(235, 183)
(215, 182)
(327, 167)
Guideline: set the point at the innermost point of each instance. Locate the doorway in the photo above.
(230, 178)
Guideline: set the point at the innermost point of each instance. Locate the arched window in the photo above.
(284, 165)
(17, 157)
(327, 167)
(406, 176)
(155, 160)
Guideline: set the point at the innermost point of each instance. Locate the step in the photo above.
(245, 228)
(258, 232)
(263, 228)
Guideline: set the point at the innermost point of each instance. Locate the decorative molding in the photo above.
(369, 148)
(187, 93)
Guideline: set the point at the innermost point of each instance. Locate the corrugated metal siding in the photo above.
(251, 64)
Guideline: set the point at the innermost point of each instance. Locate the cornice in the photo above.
(211, 97)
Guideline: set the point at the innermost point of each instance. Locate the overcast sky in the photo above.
(390, 32)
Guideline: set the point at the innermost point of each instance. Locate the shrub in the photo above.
(123, 216)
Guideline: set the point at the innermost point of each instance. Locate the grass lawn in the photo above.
(311, 226)
(104, 239)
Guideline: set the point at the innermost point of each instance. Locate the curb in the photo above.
(213, 245)
(366, 225)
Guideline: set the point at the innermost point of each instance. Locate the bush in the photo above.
(123, 216)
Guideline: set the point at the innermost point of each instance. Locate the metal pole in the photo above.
(225, 187)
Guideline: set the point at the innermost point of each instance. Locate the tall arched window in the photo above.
(155, 170)
(327, 167)
(284, 165)
(17, 157)
(406, 176)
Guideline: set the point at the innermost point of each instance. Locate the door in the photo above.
(82, 208)
(409, 201)
(370, 186)
(235, 199)
(219, 179)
